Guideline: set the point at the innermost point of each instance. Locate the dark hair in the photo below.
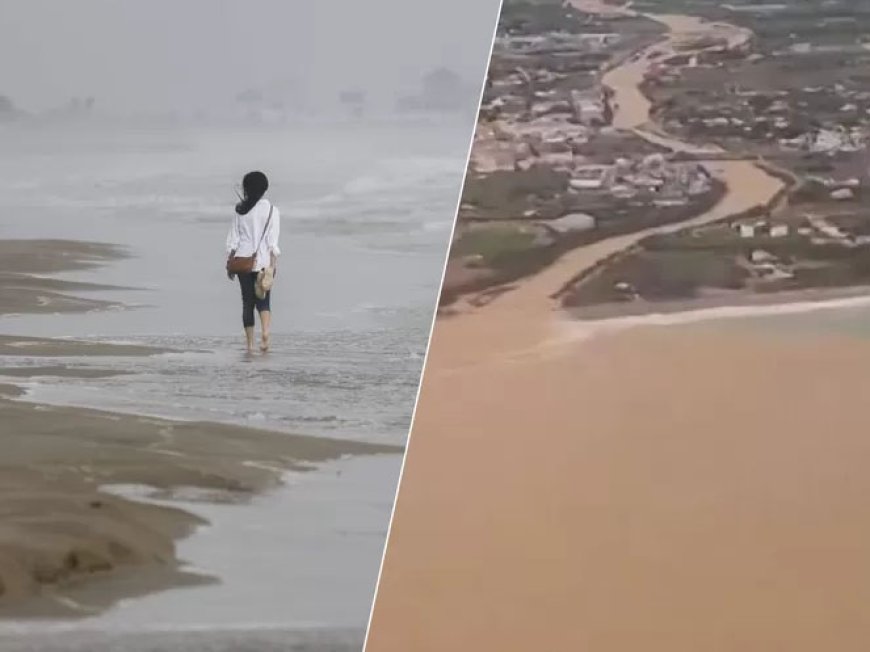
(255, 184)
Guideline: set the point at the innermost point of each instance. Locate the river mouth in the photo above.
(645, 479)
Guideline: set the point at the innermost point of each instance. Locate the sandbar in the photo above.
(71, 543)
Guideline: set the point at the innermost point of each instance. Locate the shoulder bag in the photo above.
(245, 264)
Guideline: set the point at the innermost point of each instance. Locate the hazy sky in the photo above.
(187, 54)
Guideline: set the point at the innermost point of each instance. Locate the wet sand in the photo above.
(261, 640)
(25, 287)
(59, 371)
(662, 489)
(62, 526)
(725, 303)
(37, 347)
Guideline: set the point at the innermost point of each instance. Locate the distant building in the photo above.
(441, 90)
(590, 109)
(762, 228)
(770, 8)
(843, 194)
(573, 222)
(590, 177)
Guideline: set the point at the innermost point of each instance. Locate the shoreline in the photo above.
(70, 545)
(28, 282)
(729, 306)
(64, 465)
(228, 639)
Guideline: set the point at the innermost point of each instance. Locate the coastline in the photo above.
(723, 305)
(261, 639)
(71, 546)
(27, 266)
(64, 523)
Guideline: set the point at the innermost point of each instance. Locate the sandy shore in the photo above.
(37, 347)
(61, 522)
(60, 525)
(660, 489)
(261, 640)
(725, 304)
(25, 284)
(59, 371)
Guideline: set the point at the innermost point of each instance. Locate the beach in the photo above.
(658, 482)
(364, 235)
(264, 640)
(62, 523)
(149, 452)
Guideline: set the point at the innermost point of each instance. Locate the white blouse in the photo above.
(247, 231)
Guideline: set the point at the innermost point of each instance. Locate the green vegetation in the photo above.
(513, 4)
(838, 22)
(536, 17)
(683, 265)
(507, 194)
(494, 244)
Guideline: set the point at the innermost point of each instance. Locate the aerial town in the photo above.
(600, 123)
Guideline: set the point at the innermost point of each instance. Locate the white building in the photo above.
(590, 177)
(573, 222)
(779, 231)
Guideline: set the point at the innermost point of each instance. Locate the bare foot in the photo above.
(264, 347)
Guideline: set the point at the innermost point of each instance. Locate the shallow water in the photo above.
(366, 218)
(849, 321)
(367, 214)
(210, 640)
(353, 385)
(304, 557)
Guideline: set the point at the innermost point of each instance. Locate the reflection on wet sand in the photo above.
(60, 523)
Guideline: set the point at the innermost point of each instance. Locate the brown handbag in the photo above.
(245, 264)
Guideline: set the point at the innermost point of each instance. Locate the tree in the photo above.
(442, 88)
(250, 96)
(354, 100)
(7, 106)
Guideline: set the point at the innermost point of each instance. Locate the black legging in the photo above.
(250, 301)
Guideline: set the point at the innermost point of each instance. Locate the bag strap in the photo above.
(265, 230)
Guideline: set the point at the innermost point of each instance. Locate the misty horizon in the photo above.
(204, 56)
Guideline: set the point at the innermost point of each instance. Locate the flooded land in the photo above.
(628, 470)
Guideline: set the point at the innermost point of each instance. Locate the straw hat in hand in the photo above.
(264, 282)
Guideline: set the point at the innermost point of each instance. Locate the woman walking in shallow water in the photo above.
(252, 254)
